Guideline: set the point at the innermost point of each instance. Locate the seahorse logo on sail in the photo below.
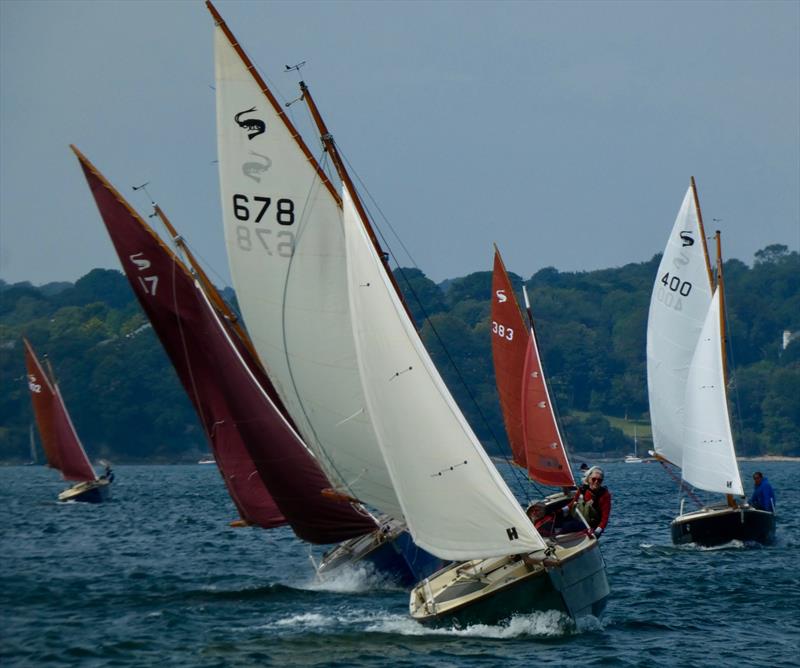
(254, 169)
(253, 126)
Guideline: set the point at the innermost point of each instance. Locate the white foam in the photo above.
(352, 579)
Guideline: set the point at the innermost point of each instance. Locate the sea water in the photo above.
(157, 576)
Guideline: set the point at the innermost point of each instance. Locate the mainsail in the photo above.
(283, 232)
(454, 501)
(678, 307)
(709, 459)
(270, 474)
(60, 442)
(524, 398)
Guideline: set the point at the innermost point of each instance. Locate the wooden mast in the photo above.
(721, 290)
(207, 286)
(341, 170)
(702, 232)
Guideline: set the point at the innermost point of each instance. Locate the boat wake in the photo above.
(667, 549)
(547, 624)
(353, 580)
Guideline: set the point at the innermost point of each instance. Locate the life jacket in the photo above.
(590, 511)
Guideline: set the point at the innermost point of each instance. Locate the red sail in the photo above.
(547, 458)
(61, 444)
(527, 410)
(509, 343)
(269, 472)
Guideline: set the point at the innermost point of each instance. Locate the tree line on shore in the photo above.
(128, 405)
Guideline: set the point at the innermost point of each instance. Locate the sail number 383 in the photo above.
(255, 209)
(502, 331)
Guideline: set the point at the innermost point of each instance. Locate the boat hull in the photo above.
(571, 579)
(95, 491)
(389, 550)
(717, 525)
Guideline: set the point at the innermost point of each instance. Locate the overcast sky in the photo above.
(564, 131)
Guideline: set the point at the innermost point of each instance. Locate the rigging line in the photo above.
(732, 366)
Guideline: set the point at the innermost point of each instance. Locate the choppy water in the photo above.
(157, 576)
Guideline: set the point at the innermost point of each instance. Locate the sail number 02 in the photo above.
(254, 209)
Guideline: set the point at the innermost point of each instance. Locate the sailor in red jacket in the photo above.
(593, 501)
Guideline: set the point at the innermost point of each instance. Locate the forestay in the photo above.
(709, 458)
(283, 232)
(678, 307)
(455, 503)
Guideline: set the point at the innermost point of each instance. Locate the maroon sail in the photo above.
(60, 442)
(264, 462)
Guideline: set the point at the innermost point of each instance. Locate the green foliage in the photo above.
(127, 404)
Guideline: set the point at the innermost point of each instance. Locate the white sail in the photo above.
(709, 458)
(678, 306)
(455, 503)
(285, 243)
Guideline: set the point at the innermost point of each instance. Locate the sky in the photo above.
(565, 132)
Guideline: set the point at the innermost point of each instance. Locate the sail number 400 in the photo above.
(244, 208)
(502, 331)
(668, 293)
(675, 284)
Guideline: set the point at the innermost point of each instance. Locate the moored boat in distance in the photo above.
(62, 447)
(686, 375)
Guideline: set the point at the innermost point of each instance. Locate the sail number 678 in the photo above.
(245, 208)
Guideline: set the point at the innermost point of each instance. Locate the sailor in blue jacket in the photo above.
(763, 496)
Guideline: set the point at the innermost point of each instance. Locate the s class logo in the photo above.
(501, 296)
(687, 239)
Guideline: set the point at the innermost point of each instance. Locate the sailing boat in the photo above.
(60, 442)
(366, 394)
(572, 577)
(634, 458)
(687, 386)
(286, 250)
(270, 475)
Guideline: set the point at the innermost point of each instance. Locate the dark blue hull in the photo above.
(718, 525)
(389, 550)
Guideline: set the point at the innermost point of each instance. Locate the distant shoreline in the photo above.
(769, 458)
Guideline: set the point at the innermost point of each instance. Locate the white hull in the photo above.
(93, 491)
